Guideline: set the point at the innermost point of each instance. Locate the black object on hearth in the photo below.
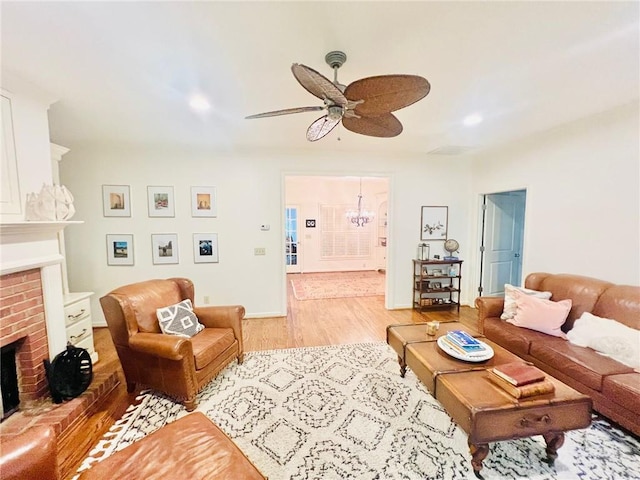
(69, 374)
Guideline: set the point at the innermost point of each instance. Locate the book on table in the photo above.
(540, 387)
(464, 341)
(473, 353)
(518, 373)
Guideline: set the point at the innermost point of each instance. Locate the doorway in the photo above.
(503, 222)
(320, 237)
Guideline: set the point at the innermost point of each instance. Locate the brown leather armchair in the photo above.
(175, 365)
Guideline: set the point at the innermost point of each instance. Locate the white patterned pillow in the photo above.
(509, 309)
(179, 319)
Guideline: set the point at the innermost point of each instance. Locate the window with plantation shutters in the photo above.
(339, 238)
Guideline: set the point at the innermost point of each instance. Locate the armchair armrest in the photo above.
(171, 347)
(488, 307)
(30, 454)
(229, 316)
(223, 316)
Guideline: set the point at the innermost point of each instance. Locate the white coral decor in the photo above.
(54, 202)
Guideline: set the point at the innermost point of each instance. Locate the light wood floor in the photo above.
(308, 323)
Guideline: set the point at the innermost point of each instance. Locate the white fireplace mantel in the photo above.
(9, 230)
(23, 247)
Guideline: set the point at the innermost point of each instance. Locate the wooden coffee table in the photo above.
(485, 411)
(401, 335)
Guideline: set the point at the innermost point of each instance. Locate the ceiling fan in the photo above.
(363, 106)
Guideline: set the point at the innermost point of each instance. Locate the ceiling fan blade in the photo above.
(321, 127)
(286, 111)
(317, 84)
(386, 93)
(385, 125)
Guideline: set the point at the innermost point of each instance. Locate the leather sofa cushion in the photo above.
(582, 291)
(622, 389)
(190, 448)
(620, 303)
(209, 344)
(515, 339)
(582, 364)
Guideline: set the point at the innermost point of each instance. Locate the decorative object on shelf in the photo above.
(433, 223)
(160, 201)
(360, 217)
(436, 272)
(451, 246)
(203, 202)
(423, 251)
(116, 201)
(164, 248)
(53, 203)
(120, 249)
(453, 270)
(205, 247)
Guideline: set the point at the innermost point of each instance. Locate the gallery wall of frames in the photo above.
(116, 200)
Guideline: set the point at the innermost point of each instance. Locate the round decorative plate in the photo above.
(467, 358)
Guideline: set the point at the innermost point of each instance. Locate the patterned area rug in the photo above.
(312, 286)
(344, 412)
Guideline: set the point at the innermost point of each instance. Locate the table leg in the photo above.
(478, 454)
(403, 366)
(554, 440)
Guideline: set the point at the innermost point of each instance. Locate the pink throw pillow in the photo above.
(542, 315)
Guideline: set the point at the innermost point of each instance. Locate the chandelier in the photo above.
(359, 217)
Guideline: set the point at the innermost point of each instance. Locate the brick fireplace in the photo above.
(32, 321)
(22, 326)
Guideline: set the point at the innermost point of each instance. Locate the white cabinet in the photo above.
(77, 319)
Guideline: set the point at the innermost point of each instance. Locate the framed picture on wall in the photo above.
(205, 247)
(203, 202)
(433, 223)
(164, 247)
(119, 249)
(116, 201)
(160, 201)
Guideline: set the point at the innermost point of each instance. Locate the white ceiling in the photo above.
(123, 71)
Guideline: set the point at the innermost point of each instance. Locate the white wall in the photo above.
(250, 192)
(583, 201)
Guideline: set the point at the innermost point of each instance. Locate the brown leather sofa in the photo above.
(190, 448)
(176, 365)
(30, 455)
(613, 386)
